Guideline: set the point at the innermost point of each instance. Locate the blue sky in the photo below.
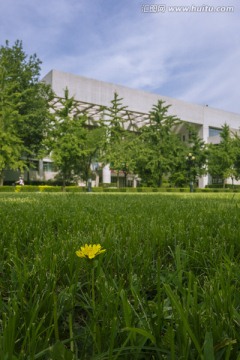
(188, 50)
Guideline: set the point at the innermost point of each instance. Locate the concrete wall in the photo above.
(101, 93)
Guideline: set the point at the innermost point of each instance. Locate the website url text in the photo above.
(162, 8)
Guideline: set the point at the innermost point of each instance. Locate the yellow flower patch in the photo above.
(90, 251)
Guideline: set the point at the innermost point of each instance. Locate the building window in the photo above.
(217, 180)
(130, 183)
(214, 131)
(190, 134)
(49, 167)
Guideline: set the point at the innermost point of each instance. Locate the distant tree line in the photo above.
(33, 125)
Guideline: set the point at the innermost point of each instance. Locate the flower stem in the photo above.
(93, 290)
(94, 312)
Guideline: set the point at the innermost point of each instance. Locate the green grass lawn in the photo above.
(167, 287)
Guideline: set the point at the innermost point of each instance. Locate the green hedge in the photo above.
(26, 188)
(81, 189)
(75, 189)
(97, 189)
(49, 188)
(220, 186)
(7, 188)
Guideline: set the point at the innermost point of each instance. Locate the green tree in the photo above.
(11, 146)
(66, 137)
(72, 144)
(115, 118)
(31, 98)
(158, 145)
(236, 144)
(123, 157)
(93, 142)
(191, 160)
(118, 146)
(34, 96)
(221, 157)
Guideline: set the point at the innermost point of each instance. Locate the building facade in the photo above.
(92, 95)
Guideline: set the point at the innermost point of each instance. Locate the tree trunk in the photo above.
(64, 184)
(28, 171)
(1, 178)
(159, 181)
(118, 184)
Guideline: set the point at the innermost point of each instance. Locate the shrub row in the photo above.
(227, 186)
(78, 189)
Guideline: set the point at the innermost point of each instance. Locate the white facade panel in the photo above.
(101, 93)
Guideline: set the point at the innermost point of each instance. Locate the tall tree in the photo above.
(31, 98)
(190, 161)
(115, 118)
(222, 156)
(73, 145)
(236, 144)
(159, 145)
(11, 146)
(123, 157)
(118, 146)
(93, 142)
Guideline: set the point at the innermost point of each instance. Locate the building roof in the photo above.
(93, 95)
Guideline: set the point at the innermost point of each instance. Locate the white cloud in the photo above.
(219, 86)
(193, 56)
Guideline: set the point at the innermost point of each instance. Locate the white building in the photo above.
(93, 94)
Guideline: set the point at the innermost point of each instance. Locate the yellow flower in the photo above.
(90, 251)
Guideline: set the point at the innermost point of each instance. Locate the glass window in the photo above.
(217, 180)
(49, 167)
(214, 131)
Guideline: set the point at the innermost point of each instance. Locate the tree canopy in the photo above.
(73, 146)
(119, 145)
(24, 112)
(221, 158)
(159, 145)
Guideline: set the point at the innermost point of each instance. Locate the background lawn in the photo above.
(167, 287)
